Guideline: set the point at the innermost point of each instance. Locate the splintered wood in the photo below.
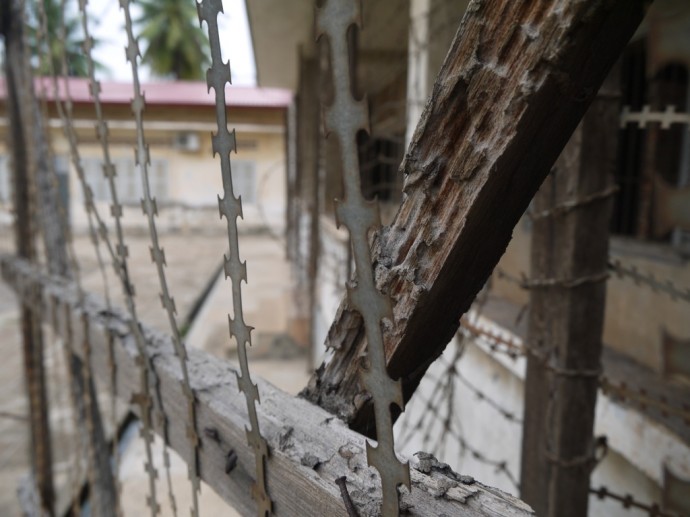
(517, 79)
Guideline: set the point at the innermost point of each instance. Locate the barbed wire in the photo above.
(407, 431)
(150, 209)
(607, 386)
(620, 270)
(643, 399)
(143, 399)
(508, 415)
(90, 405)
(496, 342)
(443, 392)
(501, 466)
(74, 473)
(230, 207)
(344, 118)
(59, 345)
(664, 286)
(116, 214)
(628, 502)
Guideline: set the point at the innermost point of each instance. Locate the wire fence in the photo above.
(436, 425)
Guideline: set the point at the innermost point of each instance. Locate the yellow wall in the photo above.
(193, 177)
(635, 314)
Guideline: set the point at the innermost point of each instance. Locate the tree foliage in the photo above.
(47, 49)
(175, 44)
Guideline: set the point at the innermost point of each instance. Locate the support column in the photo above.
(570, 242)
(417, 64)
(18, 107)
(305, 200)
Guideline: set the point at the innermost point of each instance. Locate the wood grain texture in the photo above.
(566, 319)
(517, 79)
(309, 448)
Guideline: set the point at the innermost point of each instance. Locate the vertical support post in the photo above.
(417, 64)
(291, 179)
(569, 261)
(18, 107)
(307, 192)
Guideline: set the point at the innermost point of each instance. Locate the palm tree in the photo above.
(48, 53)
(176, 45)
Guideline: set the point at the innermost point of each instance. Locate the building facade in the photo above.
(179, 121)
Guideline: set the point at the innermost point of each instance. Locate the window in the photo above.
(244, 180)
(93, 171)
(653, 164)
(61, 164)
(127, 180)
(379, 159)
(5, 180)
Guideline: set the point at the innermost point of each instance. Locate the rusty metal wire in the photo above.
(573, 204)
(61, 351)
(628, 502)
(508, 415)
(496, 342)
(230, 207)
(150, 209)
(615, 266)
(451, 428)
(60, 364)
(91, 407)
(439, 410)
(99, 229)
(438, 390)
(643, 399)
(142, 160)
(116, 213)
(344, 118)
(649, 280)
(619, 390)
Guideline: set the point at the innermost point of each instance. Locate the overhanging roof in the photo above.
(171, 93)
(279, 28)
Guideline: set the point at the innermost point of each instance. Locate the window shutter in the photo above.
(244, 180)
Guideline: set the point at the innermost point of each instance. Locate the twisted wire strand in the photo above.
(98, 228)
(344, 118)
(230, 207)
(90, 405)
(150, 209)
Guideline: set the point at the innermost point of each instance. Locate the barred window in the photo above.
(127, 180)
(5, 181)
(244, 181)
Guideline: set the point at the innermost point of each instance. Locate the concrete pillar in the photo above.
(417, 64)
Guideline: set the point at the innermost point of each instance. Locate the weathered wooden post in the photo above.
(570, 240)
(500, 112)
(18, 107)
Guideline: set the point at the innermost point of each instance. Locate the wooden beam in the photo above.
(309, 449)
(516, 81)
(569, 259)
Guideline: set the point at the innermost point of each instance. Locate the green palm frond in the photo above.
(47, 53)
(175, 44)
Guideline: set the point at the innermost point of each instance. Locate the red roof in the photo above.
(172, 93)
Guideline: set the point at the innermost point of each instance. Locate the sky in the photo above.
(107, 26)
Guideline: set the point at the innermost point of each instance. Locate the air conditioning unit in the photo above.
(187, 142)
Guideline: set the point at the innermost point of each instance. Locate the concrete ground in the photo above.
(193, 259)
